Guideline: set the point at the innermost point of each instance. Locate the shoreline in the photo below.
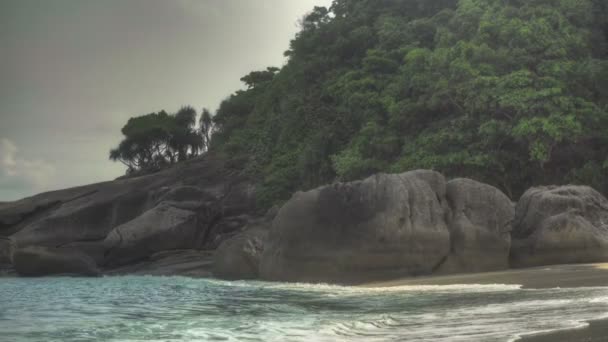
(592, 331)
(544, 277)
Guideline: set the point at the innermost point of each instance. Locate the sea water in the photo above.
(184, 309)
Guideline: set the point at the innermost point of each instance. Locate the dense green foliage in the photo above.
(159, 139)
(510, 92)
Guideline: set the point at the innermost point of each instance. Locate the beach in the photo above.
(563, 276)
(596, 331)
(184, 309)
(555, 276)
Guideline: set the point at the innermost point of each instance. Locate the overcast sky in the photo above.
(73, 71)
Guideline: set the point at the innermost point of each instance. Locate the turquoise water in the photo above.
(183, 309)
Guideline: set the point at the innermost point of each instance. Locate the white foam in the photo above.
(575, 326)
(492, 309)
(599, 300)
(262, 311)
(392, 289)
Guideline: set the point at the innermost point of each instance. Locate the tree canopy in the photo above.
(509, 92)
(156, 140)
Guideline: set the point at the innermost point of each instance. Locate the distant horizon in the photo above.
(76, 71)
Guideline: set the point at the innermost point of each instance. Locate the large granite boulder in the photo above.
(89, 213)
(238, 258)
(560, 225)
(386, 226)
(159, 229)
(43, 261)
(480, 226)
(207, 199)
(86, 218)
(186, 263)
(187, 198)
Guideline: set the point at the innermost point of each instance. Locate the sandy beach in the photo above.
(583, 275)
(563, 276)
(597, 331)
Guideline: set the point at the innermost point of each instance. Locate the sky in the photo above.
(73, 71)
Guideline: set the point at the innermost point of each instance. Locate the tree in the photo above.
(206, 128)
(513, 93)
(184, 136)
(257, 78)
(156, 140)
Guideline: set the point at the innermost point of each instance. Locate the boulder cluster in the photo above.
(417, 223)
(200, 219)
(164, 223)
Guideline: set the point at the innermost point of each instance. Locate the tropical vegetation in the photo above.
(509, 92)
(156, 140)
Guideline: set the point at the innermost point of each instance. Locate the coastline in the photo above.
(545, 277)
(588, 329)
(593, 331)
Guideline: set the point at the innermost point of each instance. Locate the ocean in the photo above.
(184, 309)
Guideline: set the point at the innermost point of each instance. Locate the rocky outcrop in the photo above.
(560, 225)
(44, 261)
(386, 226)
(90, 213)
(87, 214)
(480, 227)
(190, 263)
(162, 228)
(199, 218)
(194, 205)
(239, 257)
(389, 226)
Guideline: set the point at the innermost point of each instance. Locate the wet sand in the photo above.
(584, 275)
(597, 331)
(564, 276)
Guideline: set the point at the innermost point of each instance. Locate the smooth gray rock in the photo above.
(159, 229)
(239, 258)
(96, 250)
(560, 225)
(7, 246)
(224, 229)
(187, 263)
(188, 198)
(88, 216)
(89, 213)
(480, 226)
(386, 226)
(215, 197)
(43, 261)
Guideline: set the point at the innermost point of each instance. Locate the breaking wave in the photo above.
(180, 309)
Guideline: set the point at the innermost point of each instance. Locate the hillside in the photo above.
(512, 93)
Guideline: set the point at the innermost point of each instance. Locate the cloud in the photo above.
(17, 173)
